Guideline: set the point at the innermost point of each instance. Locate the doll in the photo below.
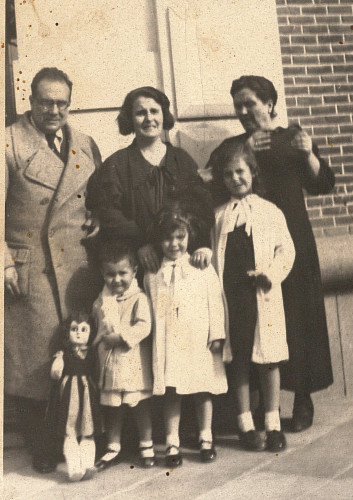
(74, 403)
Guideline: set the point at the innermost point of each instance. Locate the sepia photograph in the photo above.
(177, 186)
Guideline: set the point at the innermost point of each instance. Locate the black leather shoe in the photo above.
(303, 414)
(275, 441)
(172, 461)
(147, 462)
(207, 454)
(43, 465)
(252, 441)
(105, 462)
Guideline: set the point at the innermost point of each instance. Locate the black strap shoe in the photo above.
(207, 454)
(147, 462)
(172, 461)
(105, 462)
(252, 441)
(275, 441)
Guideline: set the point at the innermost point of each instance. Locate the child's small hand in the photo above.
(261, 280)
(201, 258)
(58, 366)
(216, 346)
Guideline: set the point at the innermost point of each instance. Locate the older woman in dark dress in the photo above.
(289, 162)
(135, 182)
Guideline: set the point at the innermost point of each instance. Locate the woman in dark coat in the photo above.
(288, 163)
(135, 182)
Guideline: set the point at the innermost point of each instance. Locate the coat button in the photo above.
(44, 201)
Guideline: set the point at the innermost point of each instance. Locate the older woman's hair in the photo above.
(263, 88)
(124, 118)
(226, 153)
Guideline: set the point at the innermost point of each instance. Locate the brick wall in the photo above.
(317, 54)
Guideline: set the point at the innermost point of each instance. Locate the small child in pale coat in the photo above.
(188, 332)
(253, 253)
(122, 314)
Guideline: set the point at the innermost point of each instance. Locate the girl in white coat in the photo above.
(188, 332)
(253, 254)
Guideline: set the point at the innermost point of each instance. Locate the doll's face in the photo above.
(79, 332)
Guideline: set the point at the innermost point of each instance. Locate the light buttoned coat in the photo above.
(45, 215)
(274, 256)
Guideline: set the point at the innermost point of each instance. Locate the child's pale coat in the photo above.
(129, 367)
(274, 256)
(198, 319)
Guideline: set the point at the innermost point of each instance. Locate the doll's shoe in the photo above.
(147, 461)
(207, 451)
(109, 459)
(89, 474)
(251, 441)
(275, 441)
(172, 461)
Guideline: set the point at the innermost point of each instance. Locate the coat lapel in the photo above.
(78, 169)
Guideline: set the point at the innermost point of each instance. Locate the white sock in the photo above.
(272, 421)
(149, 452)
(173, 440)
(87, 452)
(245, 422)
(206, 435)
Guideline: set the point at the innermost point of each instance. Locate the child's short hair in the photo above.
(172, 219)
(225, 154)
(109, 251)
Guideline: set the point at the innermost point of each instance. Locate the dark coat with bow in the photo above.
(120, 193)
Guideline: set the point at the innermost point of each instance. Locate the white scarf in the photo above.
(110, 305)
(235, 216)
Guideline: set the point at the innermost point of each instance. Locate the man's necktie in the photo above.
(51, 143)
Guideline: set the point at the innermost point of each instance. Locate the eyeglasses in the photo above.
(47, 104)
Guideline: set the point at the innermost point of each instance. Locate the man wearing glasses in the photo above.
(47, 271)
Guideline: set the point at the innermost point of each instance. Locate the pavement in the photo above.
(317, 464)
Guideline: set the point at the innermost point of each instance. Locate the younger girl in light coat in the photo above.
(252, 253)
(188, 332)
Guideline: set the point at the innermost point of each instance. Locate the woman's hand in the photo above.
(302, 142)
(261, 280)
(11, 281)
(260, 140)
(148, 258)
(216, 346)
(201, 258)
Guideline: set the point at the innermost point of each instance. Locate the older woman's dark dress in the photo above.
(285, 174)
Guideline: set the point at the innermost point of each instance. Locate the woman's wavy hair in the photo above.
(124, 118)
(221, 159)
(261, 86)
(79, 317)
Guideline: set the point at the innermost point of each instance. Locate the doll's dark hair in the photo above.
(79, 317)
(263, 88)
(221, 159)
(124, 118)
(114, 251)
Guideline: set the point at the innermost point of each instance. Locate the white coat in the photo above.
(274, 256)
(198, 321)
